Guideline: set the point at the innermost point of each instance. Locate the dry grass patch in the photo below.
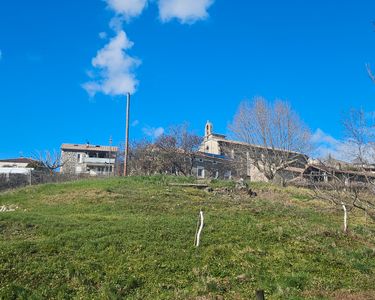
(93, 195)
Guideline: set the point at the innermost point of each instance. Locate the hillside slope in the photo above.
(133, 238)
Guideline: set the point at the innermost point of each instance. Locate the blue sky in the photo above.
(184, 64)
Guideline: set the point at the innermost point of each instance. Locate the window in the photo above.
(200, 172)
(78, 157)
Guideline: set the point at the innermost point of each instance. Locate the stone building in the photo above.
(206, 165)
(236, 159)
(93, 160)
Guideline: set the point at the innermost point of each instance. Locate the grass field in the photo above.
(133, 239)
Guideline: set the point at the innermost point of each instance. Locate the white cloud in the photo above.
(186, 11)
(102, 35)
(345, 150)
(127, 8)
(115, 68)
(320, 137)
(325, 145)
(153, 132)
(135, 123)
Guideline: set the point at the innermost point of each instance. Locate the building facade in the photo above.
(205, 165)
(12, 166)
(93, 160)
(237, 159)
(347, 177)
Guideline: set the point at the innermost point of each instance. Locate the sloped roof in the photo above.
(88, 147)
(335, 170)
(18, 160)
(362, 162)
(224, 140)
(295, 169)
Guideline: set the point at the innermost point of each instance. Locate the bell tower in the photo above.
(208, 129)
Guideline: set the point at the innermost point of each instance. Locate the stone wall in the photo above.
(213, 167)
(70, 161)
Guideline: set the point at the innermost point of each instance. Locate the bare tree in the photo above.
(370, 73)
(346, 190)
(47, 160)
(146, 159)
(276, 132)
(171, 153)
(178, 148)
(359, 129)
(352, 186)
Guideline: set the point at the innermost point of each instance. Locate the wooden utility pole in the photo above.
(126, 146)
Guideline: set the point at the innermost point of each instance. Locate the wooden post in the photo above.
(260, 295)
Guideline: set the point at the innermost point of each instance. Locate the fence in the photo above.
(11, 181)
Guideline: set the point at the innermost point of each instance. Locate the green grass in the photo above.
(133, 238)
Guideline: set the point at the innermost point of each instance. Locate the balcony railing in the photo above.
(100, 161)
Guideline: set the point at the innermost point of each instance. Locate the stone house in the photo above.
(206, 165)
(93, 160)
(236, 159)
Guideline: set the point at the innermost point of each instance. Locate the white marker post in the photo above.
(198, 236)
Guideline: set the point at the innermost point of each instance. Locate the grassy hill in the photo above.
(133, 238)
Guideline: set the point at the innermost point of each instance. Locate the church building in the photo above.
(237, 158)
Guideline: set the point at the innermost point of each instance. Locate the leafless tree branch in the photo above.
(276, 132)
